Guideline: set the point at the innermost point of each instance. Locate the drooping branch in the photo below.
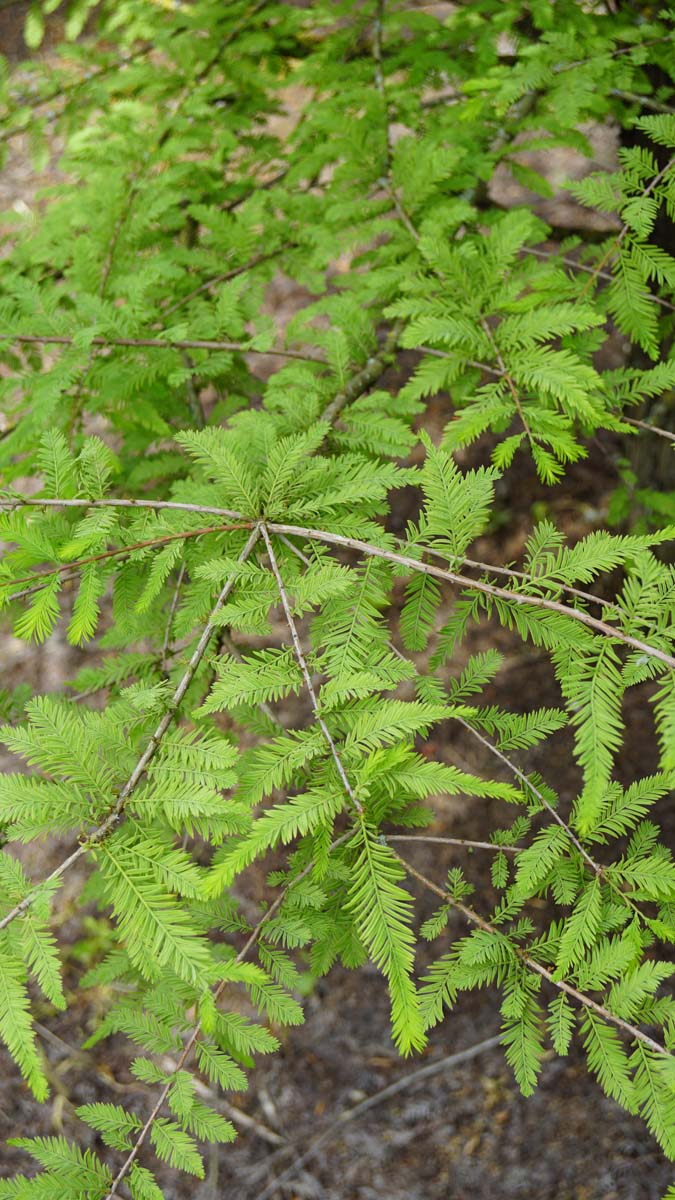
(581, 998)
(354, 544)
(625, 229)
(477, 585)
(97, 835)
(463, 843)
(302, 663)
(120, 551)
(251, 941)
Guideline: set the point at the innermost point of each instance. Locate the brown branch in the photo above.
(166, 641)
(625, 229)
(664, 433)
(226, 276)
(464, 843)
(337, 539)
(579, 266)
(488, 589)
(157, 344)
(364, 379)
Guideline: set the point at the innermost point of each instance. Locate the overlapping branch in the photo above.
(95, 836)
(494, 591)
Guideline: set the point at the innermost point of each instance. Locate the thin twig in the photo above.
(166, 641)
(509, 381)
(464, 843)
(337, 539)
(595, 867)
(122, 550)
(625, 229)
(664, 433)
(364, 379)
(208, 284)
(537, 252)
(302, 663)
(232, 650)
(478, 585)
(158, 344)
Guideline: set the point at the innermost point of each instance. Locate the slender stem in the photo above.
(123, 550)
(615, 244)
(364, 379)
(595, 867)
(225, 277)
(337, 539)
(477, 585)
(302, 663)
(157, 344)
(330, 411)
(509, 381)
(166, 641)
(664, 433)
(465, 843)
(579, 266)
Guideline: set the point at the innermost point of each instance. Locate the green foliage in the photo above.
(211, 510)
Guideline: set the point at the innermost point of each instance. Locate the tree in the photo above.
(153, 472)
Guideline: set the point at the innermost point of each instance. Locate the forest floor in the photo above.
(463, 1133)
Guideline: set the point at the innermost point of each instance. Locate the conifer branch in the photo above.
(649, 428)
(363, 379)
(49, 339)
(553, 812)
(581, 998)
(337, 539)
(332, 410)
(354, 544)
(97, 835)
(302, 663)
(575, 265)
(251, 941)
(122, 552)
(166, 640)
(617, 242)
